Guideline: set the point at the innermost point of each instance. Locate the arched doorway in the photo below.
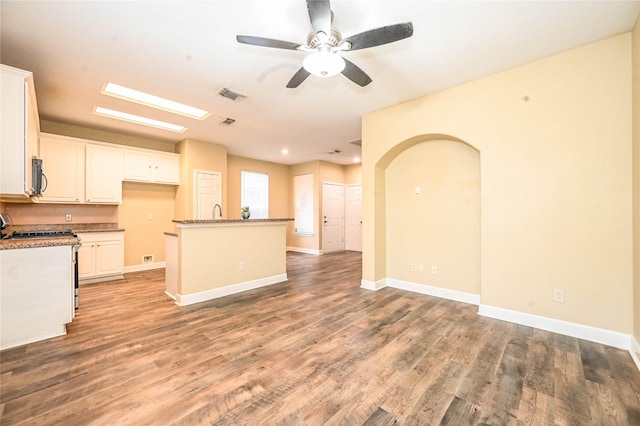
(428, 217)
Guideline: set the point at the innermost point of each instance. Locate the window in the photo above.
(303, 204)
(255, 194)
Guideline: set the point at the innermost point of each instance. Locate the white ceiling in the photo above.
(186, 51)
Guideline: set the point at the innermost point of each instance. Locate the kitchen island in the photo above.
(207, 259)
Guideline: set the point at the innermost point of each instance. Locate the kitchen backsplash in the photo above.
(28, 214)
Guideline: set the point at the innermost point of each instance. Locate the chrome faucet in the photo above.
(213, 213)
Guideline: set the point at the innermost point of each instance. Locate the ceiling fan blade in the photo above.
(298, 78)
(320, 15)
(380, 36)
(355, 74)
(267, 42)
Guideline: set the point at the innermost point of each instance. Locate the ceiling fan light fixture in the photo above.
(323, 64)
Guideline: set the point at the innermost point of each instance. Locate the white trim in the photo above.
(635, 351)
(593, 334)
(218, 199)
(201, 296)
(170, 295)
(304, 250)
(445, 293)
(42, 333)
(373, 285)
(84, 281)
(144, 267)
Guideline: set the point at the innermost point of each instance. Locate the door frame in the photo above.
(346, 233)
(195, 188)
(322, 214)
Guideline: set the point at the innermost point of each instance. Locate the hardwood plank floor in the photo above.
(314, 350)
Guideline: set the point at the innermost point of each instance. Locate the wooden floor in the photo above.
(314, 350)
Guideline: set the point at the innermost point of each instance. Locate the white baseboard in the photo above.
(586, 332)
(635, 351)
(373, 285)
(144, 267)
(304, 250)
(100, 279)
(202, 296)
(445, 293)
(170, 295)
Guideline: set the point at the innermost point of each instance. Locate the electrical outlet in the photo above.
(558, 295)
(147, 258)
(434, 269)
(150, 217)
(67, 218)
(241, 266)
(421, 267)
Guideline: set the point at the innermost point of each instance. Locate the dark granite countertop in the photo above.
(222, 221)
(10, 244)
(37, 242)
(75, 227)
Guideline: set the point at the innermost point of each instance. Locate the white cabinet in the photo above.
(81, 171)
(101, 256)
(19, 127)
(103, 174)
(37, 294)
(151, 166)
(64, 162)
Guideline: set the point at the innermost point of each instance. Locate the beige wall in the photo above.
(140, 202)
(353, 174)
(278, 185)
(52, 214)
(636, 178)
(554, 141)
(440, 226)
(195, 154)
(104, 136)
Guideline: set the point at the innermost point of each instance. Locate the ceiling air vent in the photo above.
(335, 151)
(231, 94)
(228, 121)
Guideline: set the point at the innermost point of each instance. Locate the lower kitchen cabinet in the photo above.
(100, 257)
(37, 294)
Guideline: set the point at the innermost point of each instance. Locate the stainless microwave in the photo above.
(38, 178)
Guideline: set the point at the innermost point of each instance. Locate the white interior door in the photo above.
(207, 193)
(332, 217)
(353, 215)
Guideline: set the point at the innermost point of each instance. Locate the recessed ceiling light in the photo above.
(285, 151)
(138, 97)
(138, 120)
(356, 159)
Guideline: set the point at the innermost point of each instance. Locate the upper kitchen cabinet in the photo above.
(64, 165)
(151, 166)
(20, 125)
(103, 174)
(80, 171)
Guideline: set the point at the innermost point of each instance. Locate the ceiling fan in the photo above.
(325, 44)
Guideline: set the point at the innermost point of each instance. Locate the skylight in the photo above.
(136, 96)
(105, 112)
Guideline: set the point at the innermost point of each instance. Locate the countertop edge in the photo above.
(17, 244)
(224, 221)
